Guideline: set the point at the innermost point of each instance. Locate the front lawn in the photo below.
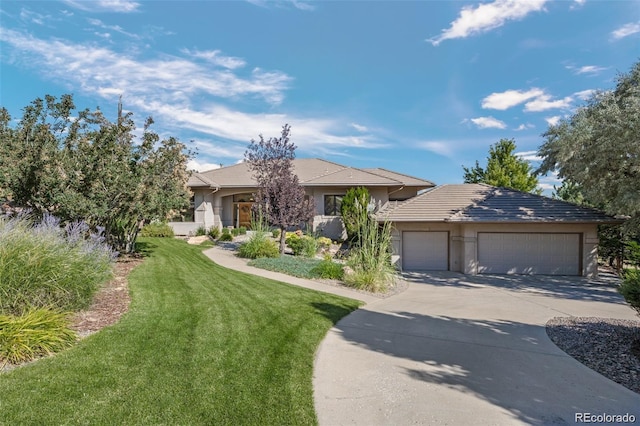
(201, 344)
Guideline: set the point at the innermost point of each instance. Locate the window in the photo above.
(332, 205)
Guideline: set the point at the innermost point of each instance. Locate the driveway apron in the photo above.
(455, 349)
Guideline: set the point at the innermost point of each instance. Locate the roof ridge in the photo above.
(397, 173)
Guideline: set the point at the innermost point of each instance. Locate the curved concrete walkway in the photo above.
(455, 349)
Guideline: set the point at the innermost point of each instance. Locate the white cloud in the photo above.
(96, 69)
(33, 17)
(584, 94)
(528, 155)
(549, 182)
(510, 98)
(359, 127)
(438, 147)
(301, 5)
(524, 127)
(121, 6)
(216, 58)
(544, 103)
(201, 167)
(626, 30)
(577, 4)
(488, 123)
(552, 121)
(98, 23)
(587, 69)
(486, 17)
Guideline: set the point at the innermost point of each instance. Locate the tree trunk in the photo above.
(283, 237)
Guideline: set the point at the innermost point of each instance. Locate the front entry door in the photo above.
(244, 214)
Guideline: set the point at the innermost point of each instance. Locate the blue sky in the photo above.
(418, 87)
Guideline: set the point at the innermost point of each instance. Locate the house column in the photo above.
(217, 211)
(590, 254)
(469, 252)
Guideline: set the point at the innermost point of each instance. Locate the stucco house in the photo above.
(468, 228)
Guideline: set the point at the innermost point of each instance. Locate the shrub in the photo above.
(226, 231)
(630, 288)
(259, 245)
(324, 243)
(242, 230)
(214, 232)
(328, 269)
(35, 333)
(225, 237)
(275, 233)
(354, 206)
(44, 265)
(201, 231)
(302, 246)
(370, 260)
(290, 265)
(156, 229)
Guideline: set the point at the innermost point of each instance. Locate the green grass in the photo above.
(201, 344)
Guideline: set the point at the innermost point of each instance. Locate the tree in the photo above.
(280, 197)
(87, 168)
(504, 169)
(598, 148)
(354, 206)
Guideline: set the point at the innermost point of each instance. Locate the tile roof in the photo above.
(405, 179)
(484, 203)
(313, 172)
(198, 180)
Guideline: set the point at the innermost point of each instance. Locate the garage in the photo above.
(529, 253)
(425, 250)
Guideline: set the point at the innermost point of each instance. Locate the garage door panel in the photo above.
(529, 253)
(425, 250)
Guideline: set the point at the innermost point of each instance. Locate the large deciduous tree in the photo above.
(84, 167)
(504, 169)
(598, 148)
(280, 197)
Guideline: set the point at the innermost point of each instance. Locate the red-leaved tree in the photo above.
(280, 198)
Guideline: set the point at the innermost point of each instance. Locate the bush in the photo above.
(259, 245)
(370, 260)
(630, 288)
(201, 231)
(214, 232)
(226, 236)
(324, 243)
(290, 265)
(44, 265)
(302, 246)
(36, 333)
(329, 270)
(275, 233)
(156, 229)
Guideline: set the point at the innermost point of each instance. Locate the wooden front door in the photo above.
(244, 214)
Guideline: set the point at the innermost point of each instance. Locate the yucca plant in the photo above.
(37, 332)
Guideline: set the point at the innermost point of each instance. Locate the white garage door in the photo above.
(520, 253)
(425, 251)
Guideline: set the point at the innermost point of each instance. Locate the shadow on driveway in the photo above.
(507, 364)
(602, 289)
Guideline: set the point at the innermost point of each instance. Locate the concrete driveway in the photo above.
(455, 349)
